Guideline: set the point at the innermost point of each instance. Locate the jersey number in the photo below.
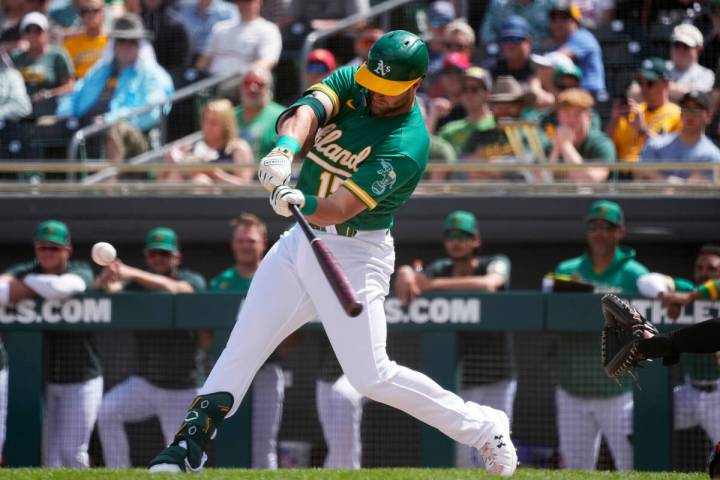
(328, 184)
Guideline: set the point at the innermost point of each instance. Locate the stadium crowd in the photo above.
(527, 81)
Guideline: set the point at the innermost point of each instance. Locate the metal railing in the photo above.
(81, 136)
(103, 174)
(316, 35)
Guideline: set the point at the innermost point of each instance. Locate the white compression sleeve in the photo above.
(4, 293)
(55, 287)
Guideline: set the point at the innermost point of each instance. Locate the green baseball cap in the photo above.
(53, 231)
(395, 62)
(606, 210)
(461, 220)
(162, 238)
(654, 68)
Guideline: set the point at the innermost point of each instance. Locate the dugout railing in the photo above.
(436, 324)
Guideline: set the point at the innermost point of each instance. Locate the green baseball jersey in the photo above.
(170, 359)
(458, 132)
(380, 160)
(581, 371)
(71, 357)
(230, 281)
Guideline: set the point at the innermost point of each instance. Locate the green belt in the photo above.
(342, 229)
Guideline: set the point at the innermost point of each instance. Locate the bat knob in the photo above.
(354, 309)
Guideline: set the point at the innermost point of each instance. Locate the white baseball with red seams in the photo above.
(103, 253)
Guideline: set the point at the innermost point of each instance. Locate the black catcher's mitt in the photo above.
(623, 330)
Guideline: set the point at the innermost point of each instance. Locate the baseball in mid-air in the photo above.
(103, 253)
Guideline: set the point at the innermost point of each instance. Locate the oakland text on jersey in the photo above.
(434, 310)
(324, 144)
(695, 312)
(74, 310)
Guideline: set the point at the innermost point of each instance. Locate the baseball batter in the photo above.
(370, 150)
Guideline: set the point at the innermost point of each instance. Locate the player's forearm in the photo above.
(157, 282)
(301, 124)
(484, 283)
(17, 290)
(55, 287)
(331, 213)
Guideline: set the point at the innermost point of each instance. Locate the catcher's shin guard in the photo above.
(200, 425)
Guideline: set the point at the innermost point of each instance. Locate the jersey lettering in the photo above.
(325, 144)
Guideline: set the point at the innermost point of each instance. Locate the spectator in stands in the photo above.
(579, 44)
(257, 113)
(365, 39)
(248, 244)
(14, 100)
(475, 90)
(576, 142)
(320, 64)
(169, 369)
(464, 270)
(690, 144)
(534, 11)
(324, 14)
(440, 150)
(708, 22)
(47, 69)
(458, 45)
(440, 14)
(589, 406)
(200, 18)
(114, 86)
(515, 50)
(632, 123)
(168, 34)
(10, 16)
(565, 77)
(515, 138)
(86, 46)
(249, 42)
(74, 377)
(686, 73)
(220, 145)
(445, 94)
(544, 84)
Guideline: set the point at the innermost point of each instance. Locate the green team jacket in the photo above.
(581, 371)
(380, 160)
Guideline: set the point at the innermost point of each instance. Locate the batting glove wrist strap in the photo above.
(290, 143)
(311, 205)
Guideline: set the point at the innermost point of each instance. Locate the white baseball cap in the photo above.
(554, 60)
(34, 18)
(687, 34)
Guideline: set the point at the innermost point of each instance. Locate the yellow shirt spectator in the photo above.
(629, 142)
(85, 51)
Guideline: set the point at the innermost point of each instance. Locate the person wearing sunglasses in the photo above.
(690, 144)
(686, 74)
(74, 376)
(257, 113)
(463, 269)
(632, 124)
(86, 46)
(168, 362)
(589, 406)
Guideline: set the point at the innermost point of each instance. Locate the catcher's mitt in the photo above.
(623, 330)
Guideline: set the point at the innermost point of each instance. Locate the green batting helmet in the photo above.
(395, 62)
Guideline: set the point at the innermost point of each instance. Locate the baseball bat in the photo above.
(334, 274)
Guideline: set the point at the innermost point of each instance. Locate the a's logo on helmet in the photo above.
(382, 69)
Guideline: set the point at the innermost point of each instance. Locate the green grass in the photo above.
(312, 474)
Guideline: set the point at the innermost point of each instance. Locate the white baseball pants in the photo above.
(289, 289)
(135, 400)
(695, 408)
(3, 407)
(582, 422)
(340, 409)
(499, 395)
(70, 413)
(268, 395)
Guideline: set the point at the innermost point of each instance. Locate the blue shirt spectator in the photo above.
(689, 145)
(579, 44)
(534, 11)
(199, 19)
